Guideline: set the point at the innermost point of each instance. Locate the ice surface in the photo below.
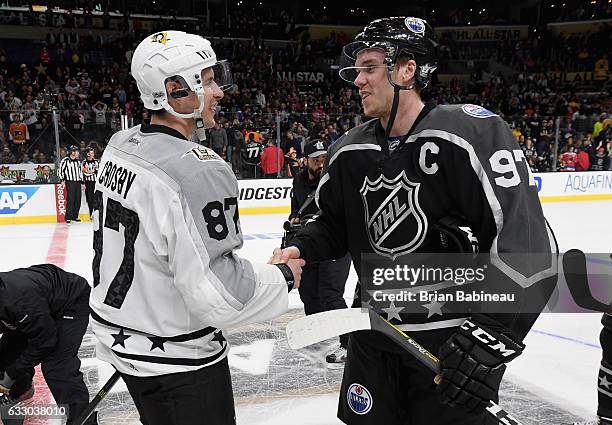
(552, 383)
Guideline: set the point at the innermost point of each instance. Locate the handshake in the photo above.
(289, 258)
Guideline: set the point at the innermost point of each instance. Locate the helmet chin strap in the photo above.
(199, 122)
(396, 93)
(196, 115)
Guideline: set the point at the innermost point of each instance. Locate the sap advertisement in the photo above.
(26, 204)
(13, 199)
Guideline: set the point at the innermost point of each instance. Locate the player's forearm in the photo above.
(320, 240)
(520, 315)
(42, 338)
(268, 298)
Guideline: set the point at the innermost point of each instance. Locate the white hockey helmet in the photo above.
(180, 56)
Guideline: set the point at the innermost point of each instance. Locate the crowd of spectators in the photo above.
(86, 78)
(439, 13)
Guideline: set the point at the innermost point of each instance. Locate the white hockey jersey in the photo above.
(166, 278)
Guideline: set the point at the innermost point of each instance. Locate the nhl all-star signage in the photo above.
(484, 32)
(301, 77)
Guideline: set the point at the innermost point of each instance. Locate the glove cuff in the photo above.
(7, 381)
(287, 274)
(11, 371)
(495, 343)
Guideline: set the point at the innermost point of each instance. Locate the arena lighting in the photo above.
(38, 8)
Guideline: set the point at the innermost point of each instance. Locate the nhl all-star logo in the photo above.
(395, 221)
(203, 153)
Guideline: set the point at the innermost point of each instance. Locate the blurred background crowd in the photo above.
(542, 65)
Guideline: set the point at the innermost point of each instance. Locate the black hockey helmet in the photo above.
(73, 148)
(398, 37)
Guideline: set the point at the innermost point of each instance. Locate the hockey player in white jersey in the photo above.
(166, 277)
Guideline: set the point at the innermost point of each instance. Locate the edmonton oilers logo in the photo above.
(359, 399)
(415, 25)
(477, 111)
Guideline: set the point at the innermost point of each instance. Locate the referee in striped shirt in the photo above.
(71, 174)
(90, 171)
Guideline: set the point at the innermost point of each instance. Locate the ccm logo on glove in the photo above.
(494, 345)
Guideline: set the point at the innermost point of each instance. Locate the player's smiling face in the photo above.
(187, 104)
(212, 95)
(374, 88)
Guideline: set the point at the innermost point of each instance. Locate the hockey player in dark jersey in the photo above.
(417, 166)
(604, 384)
(44, 312)
(604, 378)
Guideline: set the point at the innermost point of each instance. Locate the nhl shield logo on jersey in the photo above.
(415, 25)
(395, 221)
(477, 111)
(359, 399)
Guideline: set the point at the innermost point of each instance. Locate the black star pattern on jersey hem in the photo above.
(157, 342)
(173, 361)
(178, 338)
(219, 338)
(120, 338)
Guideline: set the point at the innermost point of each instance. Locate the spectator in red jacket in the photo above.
(272, 160)
(569, 159)
(582, 160)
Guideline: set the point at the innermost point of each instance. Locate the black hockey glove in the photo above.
(21, 388)
(17, 387)
(473, 363)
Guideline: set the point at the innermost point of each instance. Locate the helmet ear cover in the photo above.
(177, 94)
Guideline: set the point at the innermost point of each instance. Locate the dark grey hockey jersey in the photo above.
(459, 160)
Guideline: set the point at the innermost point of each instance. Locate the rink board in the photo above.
(30, 204)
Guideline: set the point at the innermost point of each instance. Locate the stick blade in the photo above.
(318, 327)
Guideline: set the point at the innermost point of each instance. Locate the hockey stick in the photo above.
(318, 327)
(98, 398)
(575, 269)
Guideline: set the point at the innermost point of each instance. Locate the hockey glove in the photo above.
(17, 387)
(6, 383)
(473, 363)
